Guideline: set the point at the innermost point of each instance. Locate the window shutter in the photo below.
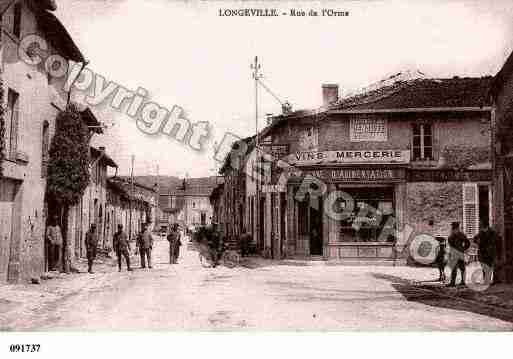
(470, 209)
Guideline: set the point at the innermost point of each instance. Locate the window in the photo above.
(16, 27)
(12, 124)
(45, 148)
(422, 142)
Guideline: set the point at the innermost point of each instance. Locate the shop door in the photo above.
(261, 224)
(7, 192)
(283, 213)
(316, 229)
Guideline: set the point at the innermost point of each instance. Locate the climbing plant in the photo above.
(68, 165)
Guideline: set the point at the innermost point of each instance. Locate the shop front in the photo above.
(355, 217)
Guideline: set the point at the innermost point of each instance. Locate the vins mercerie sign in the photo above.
(351, 156)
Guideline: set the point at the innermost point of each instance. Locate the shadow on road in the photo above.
(437, 295)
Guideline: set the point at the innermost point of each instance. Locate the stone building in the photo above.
(502, 149)
(187, 202)
(92, 207)
(128, 205)
(361, 175)
(31, 100)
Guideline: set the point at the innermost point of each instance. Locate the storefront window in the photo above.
(368, 216)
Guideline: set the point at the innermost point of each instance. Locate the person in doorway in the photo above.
(91, 242)
(459, 244)
(245, 240)
(122, 247)
(177, 244)
(487, 242)
(54, 236)
(145, 246)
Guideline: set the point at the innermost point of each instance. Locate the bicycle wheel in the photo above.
(205, 263)
(231, 259)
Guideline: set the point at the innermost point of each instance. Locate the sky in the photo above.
(185, 54)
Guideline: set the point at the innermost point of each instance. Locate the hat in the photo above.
(455, 225)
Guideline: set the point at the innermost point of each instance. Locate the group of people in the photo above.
(458, 243)
(121, 246)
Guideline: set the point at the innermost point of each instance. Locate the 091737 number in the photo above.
(24, 348)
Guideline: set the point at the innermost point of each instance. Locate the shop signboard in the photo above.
(350, 157)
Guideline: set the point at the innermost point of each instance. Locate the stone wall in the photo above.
(440, 202)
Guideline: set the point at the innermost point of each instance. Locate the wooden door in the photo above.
(7, 192)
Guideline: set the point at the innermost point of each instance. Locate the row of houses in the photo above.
(359, 177)
(31, 102)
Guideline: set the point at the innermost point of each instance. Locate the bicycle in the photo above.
(206, 256)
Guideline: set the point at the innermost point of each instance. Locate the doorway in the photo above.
(316, 229)
(484, 203)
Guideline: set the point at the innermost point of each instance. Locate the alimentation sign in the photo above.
(350, 156)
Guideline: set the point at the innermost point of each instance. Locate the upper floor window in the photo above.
(422, 142)
(16, 26)
(11, 128)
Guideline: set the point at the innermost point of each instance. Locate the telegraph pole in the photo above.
(256, 76)
(131, 195)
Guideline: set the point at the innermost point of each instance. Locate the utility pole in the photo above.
(131, 195)
(256, 76)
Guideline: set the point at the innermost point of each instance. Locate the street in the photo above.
(265, 296)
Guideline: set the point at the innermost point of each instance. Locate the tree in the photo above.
(68, 165)
(68, 168)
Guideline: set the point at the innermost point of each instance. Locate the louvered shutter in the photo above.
(470, 209)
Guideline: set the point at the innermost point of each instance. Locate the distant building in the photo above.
(187, 203)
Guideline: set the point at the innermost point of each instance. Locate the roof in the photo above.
(250, 144)
(456, 92)
(423, 93)
(57, 35)
(95, 152)
(201, 186)
(91, 121)
(123, 187)
(502, 75)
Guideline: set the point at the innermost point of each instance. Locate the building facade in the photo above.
(128, 205)
(31, 100)
(360, 177)
(187, 203)
(502, 150)
(92, 207)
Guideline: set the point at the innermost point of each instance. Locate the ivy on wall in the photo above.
(68, 165)
(461, 157)
(2, 127)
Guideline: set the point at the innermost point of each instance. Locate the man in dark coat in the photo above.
(177, 244)
(459, 243)
(487, 241)
(91, 242)
(122, 247)
(172, 238)
(145, 246)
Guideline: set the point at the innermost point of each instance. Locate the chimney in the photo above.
(329, 94)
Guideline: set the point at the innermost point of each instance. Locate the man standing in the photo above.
(145, 246)
(458, 243)
(245, 240)
(91, 242)
(177, 244)
(122, 247)
(54, 235)
(487, 241)
(171, 238)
